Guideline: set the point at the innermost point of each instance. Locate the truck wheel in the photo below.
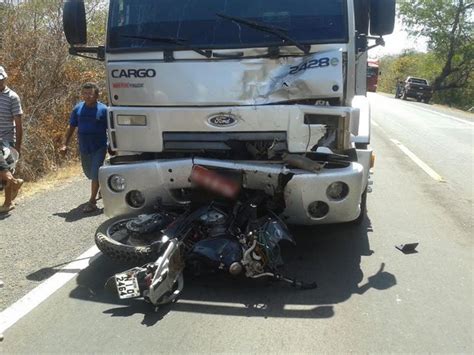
(113, 240)
(427, 101)
(363, 209)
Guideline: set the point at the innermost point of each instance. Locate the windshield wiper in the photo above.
(171, 40)
(279, 32)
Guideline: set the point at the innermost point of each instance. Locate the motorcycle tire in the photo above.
(115, 245)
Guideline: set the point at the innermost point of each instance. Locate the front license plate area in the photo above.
(215, 182)
(127, 285)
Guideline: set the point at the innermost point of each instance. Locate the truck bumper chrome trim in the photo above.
(163, 178)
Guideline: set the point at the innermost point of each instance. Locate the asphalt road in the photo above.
(371, 297)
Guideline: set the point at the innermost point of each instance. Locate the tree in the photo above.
(449, 27)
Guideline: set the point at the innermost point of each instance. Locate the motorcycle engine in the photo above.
(215, 223)
(216, 249)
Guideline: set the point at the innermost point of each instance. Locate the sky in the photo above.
(397, 42)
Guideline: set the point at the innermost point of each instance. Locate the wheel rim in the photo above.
(118, 231)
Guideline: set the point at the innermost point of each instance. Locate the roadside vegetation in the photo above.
(449, 63)
(34, 52)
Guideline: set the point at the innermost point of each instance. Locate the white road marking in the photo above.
(445, 115)
(379, 127)
(433, 112)
(26, 304)
(419, 162)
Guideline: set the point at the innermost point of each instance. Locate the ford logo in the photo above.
(222, 120)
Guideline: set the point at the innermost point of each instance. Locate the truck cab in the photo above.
(269, 92)
(372, 75)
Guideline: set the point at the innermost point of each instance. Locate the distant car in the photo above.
(415, 88)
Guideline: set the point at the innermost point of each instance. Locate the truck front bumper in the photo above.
(305, 194)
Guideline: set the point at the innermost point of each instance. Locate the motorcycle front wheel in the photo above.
(113, 239)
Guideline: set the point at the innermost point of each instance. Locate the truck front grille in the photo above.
(219, 141)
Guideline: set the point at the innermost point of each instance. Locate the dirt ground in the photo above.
(48, 182)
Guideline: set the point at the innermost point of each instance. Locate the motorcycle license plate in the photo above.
(127, 285)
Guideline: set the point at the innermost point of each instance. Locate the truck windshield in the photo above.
(372, 71)
(418, 81)
(199, 23)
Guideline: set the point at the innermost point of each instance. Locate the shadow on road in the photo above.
(76, 214)
(46, 272)
(330, 255)
(4, 215)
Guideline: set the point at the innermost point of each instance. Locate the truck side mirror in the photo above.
(382, 17)
(74, 22)
(361, 16)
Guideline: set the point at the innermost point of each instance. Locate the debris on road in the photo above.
(408, 248)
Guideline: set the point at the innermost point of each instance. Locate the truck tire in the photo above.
(116, 246)
(426, 101)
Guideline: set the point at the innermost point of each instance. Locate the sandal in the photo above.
(89, 207)
(6, 209)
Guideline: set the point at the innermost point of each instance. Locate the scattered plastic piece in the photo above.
(408, 248)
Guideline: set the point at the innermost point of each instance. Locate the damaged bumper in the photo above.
(136, 187)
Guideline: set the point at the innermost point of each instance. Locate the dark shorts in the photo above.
(92, 162)
(3, 163)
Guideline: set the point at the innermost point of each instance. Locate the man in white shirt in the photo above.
(11, 134)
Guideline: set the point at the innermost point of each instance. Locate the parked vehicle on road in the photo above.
(416, 88)
(372, 75)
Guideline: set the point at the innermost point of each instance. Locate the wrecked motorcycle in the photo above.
(235, 235)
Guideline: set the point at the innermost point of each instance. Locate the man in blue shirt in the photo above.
(90, 118)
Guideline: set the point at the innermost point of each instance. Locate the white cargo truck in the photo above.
(270, 92)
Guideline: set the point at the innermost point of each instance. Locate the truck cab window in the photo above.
(197, 23)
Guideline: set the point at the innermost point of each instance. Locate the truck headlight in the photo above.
(318, 209)
(337, 191)
(135, 199)
(117, 183)
(131, 120)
